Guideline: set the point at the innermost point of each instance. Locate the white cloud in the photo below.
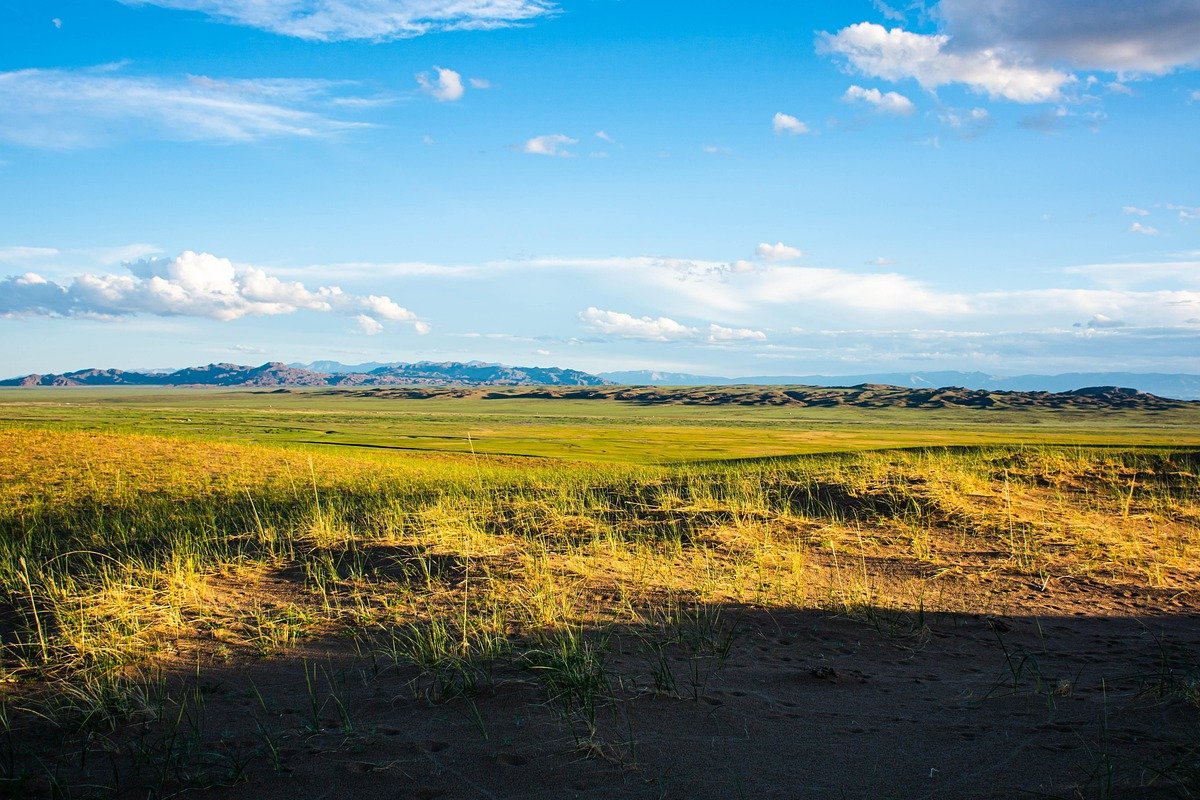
(661, 329)
(887, 11)
(553, 144)
(1135, 211)
(190, 285)
(777, 252)
(763, 295)
(1149, 36)
(368, 325)
(422, 328)
(1185, 212)
(975, 118)
(378, 20)
(884, 102)
(719, 333)
(480, 83)
(898, 54)
(1104, 321)
(21, 254)
(786, 123)
(445, 86)
(65, 109)
(615, 323)
(716, 150)
(1145, 230)
(56, 22)
(604, 137)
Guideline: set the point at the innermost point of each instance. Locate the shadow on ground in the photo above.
(721, 702)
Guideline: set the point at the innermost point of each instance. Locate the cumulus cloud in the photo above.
(1145, 230)
(445, 85)
(616, 323)
(65, 109)
(377, 20)
(661, 329)
(786, 123)
(480, 83)
(553, 144)
(190, 285)
(777, 252)
(1104, 321)
(1026, 50)
(1149, 36)
(884, 102)
(897, 54)
(1135, 211)
(719, 333)
(368, 325)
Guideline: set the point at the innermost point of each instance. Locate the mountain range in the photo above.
(274, 373)
(477, 373)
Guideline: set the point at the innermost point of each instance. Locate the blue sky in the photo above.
(726, 188)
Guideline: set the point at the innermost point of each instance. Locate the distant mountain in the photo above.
(478, 373)
(278, 374)
(338, 368)
(1174, 385)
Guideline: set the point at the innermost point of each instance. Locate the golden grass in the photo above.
(123, 551)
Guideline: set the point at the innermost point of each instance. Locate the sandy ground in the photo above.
(807, 704)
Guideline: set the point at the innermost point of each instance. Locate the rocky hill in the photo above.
(867, 395)
(1180, 386)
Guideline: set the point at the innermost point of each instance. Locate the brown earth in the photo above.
(1087, 692)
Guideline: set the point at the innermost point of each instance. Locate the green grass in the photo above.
(572, 429)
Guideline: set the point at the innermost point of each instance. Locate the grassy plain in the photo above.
(573, 429)
(233, 593)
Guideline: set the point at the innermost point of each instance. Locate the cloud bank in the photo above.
(190, 285)
(1025, 51)
(1148, 36)
(897, 54)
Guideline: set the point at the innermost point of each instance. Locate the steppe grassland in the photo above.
(125, 556)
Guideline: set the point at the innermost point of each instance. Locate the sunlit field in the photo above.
(229, 593)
